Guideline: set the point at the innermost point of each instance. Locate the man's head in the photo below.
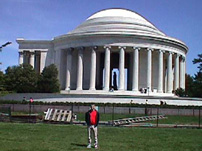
(92, 107)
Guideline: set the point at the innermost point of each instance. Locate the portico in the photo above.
(36, 58)
(100, 62)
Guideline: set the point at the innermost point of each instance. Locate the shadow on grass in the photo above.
(79, 145)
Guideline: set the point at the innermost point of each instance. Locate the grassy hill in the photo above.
(49, 137)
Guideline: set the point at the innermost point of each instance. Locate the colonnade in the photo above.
(36, 59)
(175, 70)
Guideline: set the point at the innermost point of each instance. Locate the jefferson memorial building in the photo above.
(114, 51)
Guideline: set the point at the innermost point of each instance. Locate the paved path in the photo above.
(48, 97)
(125, 100)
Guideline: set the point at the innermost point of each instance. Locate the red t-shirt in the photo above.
(31, 100)
(93, 117)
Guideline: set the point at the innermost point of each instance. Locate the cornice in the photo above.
(164, 39)
(23, 41)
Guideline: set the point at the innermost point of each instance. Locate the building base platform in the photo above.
(104, 98)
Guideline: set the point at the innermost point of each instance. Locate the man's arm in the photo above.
(98, 119)
(87, 118)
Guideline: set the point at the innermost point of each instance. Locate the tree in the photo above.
(21, 79)
(1, 81)
(48, 81)
(197, 87)
(180, 92)
(198, 61)
(189, 85)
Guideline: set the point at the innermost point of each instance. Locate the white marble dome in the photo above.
(116, 21)
(116, 13)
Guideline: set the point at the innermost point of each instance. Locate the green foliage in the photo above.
(21, 79)
(98, 104)
(198, 61)
(180, 92)
(189, 85)
(198, 85)
(24, 79)
(48, 81)
(198, 77)
(2, 81)
(194, 84)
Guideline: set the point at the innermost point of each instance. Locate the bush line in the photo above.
(98, 104)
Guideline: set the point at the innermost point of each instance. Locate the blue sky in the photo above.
(45, 19)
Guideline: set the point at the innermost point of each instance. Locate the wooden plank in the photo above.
(59, 115)
(54, 115)
(49, 114)
(69, 116)
(64, 115)
(137, 119)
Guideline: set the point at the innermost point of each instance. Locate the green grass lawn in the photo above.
(177, 120)
(190, 120)
(50, 137)
(169, 120)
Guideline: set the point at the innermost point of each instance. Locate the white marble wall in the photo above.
(74, 69)
(155, 63)
(142, 69)
(86, 66)
(63, 65)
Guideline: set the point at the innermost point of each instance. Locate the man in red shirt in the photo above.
(92, 120)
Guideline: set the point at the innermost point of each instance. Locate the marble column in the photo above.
(31, 59)
(121, 67)
(184, 79)
(93, 69)
(176, 72)
(170, 74)
(57, 62)
(160, 72)
(80, 69)
(43, 55)
(181, 72)
(135, 78)
(26, 57)
(68, 69)
(107, 68)
(149, 68)
(21, 58)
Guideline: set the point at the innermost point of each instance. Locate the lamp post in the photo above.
(30, 108)
(4, 45)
